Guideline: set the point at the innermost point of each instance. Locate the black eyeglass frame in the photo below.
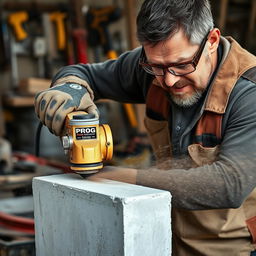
(194, 62)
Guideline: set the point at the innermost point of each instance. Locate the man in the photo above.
(200, 91)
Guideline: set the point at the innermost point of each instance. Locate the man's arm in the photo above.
(229, 180)
(223, 184)
(75, 87)
(121, 79)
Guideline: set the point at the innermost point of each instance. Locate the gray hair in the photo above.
(158, 20)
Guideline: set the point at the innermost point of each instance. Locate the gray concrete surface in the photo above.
(76, 217)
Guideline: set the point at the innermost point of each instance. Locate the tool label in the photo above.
(86, 133)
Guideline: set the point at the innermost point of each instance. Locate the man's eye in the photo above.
(182, 67)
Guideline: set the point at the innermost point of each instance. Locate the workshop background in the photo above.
(36, 39)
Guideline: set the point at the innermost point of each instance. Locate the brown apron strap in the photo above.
(157, 104)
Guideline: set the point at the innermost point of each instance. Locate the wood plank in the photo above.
(19, 101)
(33, 85)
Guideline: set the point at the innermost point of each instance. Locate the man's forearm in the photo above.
(217, 186)
(113, 79)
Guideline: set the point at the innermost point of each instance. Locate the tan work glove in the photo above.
(52, 105)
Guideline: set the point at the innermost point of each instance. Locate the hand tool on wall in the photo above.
(79, 36)
(20, 42)
(98, 20)
(16, 21)
(59, 19)
(78, 32)
(87, 142)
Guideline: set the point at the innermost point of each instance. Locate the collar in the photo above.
(235, 61)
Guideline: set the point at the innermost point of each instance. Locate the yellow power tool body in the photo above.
(87, 142)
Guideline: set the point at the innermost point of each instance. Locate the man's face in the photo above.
(184, 90)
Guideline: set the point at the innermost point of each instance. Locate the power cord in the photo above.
(37, 142)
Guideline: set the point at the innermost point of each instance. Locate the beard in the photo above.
(188, 101)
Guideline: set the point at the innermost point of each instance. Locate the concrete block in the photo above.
(77, 217)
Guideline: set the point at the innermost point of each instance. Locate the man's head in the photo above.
(174, 32)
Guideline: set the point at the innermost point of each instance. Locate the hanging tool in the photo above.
(58, 18)
(18, 41)
(81, 45)
(18, 223)
(21, 41)
(78, 33)
(16, 20)
(98, 20)
(87, 142)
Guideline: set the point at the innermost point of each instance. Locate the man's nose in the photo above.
(170, 79)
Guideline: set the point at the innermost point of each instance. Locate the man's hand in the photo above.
(121, 174)
(54, 104)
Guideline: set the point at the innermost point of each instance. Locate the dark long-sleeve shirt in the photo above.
(223, 184)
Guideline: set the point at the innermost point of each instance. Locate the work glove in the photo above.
(53, 105)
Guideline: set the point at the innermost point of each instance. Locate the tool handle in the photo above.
(81, 45)
(58, 18)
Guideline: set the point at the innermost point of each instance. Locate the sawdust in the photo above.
(165, 161)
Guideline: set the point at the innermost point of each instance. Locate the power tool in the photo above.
(87, 142)
(16, 20)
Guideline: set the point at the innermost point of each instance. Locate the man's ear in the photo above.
(214, 40)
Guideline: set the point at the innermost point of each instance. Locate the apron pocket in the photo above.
(203, 155)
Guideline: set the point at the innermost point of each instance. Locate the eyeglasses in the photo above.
(177, 69)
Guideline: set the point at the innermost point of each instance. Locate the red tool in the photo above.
(21, 224)
(78, 32)
(81, 45)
